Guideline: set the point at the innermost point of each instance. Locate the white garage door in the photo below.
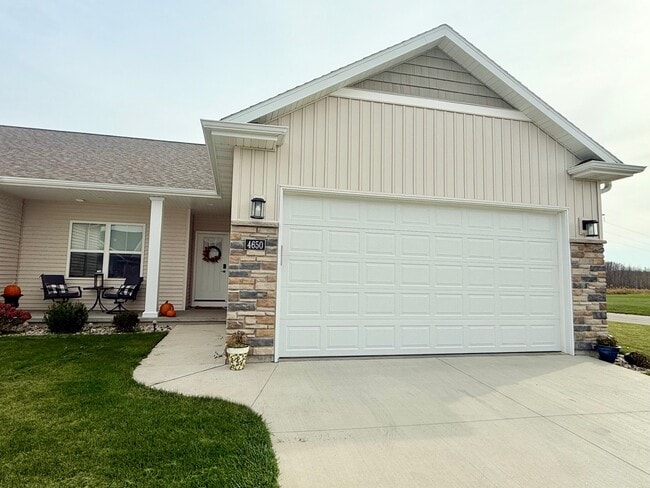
(379, 277)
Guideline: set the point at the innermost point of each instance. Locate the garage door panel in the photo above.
(304, 240)
(343, 304)
(340, 242)
(342, 338)
(415, 246)
(480, 276)
(378, 338)
(480, 248)
(304, 303)
(415, 337)
(415, 275)
(449, 304)
(415, 304)
(378, 273)
(448, 275)
(481, 336)
(480, 305)
(343, 273)
(448, 247)
(542, 278)
(304, 271)
(542, 251)
(394, 278)
(509, 249)
(302, 339)
(380, 244)
(379, 304)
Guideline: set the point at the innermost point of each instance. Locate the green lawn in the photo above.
(71, 415)
(631, 337)
(634, 303)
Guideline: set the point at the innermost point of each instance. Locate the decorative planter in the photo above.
(608, 353)
(237, 357)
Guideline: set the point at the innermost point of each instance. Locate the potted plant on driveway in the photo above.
(237, 350)
(607, 348)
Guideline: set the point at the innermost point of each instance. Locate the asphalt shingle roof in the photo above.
(76, 156)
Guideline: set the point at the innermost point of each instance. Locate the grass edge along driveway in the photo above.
(631, 337)
(631, 303)
(73, 416)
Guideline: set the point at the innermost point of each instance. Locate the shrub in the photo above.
(238, 339)
(11, 317)
(66, 317)
(607, 340)
(638, 359)
(126, 321)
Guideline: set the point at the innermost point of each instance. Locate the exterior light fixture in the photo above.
(590, 228)
(257, 208)
(98, 279)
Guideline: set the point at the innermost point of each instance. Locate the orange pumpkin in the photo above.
(166, 307)
(12, 290)
(171, 313)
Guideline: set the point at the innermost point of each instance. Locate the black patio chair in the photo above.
(127, 291)
(55, 288)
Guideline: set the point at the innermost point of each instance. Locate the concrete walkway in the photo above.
(488, 420)
(629, 318)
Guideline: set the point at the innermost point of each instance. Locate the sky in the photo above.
(154, 69)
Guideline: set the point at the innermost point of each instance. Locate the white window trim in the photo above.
(106, 251)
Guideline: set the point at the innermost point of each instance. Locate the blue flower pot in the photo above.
(608, 353)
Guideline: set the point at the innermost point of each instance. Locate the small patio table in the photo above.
(98, 300)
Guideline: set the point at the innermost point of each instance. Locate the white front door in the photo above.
(211, 251)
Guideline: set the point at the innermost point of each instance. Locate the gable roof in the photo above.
(462, 52)
(93, 158)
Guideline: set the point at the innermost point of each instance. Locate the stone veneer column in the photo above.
(589, 292)
(251, 287)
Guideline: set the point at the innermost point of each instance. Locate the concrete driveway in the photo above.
(488, 420)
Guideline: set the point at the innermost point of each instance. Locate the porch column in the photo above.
(153, 258)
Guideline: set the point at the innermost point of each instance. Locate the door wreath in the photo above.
(208, 257)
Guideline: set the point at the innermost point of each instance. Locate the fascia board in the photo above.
(14, 181)
(601, 171)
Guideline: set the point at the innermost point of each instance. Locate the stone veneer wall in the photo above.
(589, 292)
(252, 285)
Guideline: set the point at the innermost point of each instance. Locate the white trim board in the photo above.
(465, 108)
(92, 186)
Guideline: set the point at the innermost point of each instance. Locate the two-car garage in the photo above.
(361, 275)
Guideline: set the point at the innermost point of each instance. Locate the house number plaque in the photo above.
(256, 244)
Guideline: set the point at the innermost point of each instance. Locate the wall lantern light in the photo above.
(590, 228)
(98, 279)
(257, 208)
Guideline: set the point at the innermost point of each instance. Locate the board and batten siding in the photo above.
(363, 146)
(11, 214)
(433, 75)
(44, 248)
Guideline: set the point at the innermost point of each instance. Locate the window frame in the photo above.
(107, 247)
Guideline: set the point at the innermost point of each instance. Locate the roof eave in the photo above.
(449, 40)
(603, 171)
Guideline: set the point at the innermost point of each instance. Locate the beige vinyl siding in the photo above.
(11, 210)
(433, 75)
(354, 145)
(44, 248)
